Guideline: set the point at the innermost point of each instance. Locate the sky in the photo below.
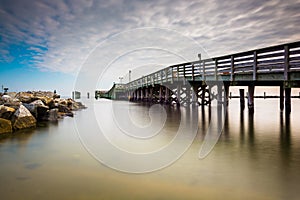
(47, 45)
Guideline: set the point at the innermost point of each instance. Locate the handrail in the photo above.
(282, 58)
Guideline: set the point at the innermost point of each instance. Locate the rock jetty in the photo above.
(25, 109)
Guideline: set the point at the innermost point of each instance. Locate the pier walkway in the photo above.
(192, 82)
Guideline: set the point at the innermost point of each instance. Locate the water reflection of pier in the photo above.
(215, 122)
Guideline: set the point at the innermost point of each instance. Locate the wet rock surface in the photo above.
(5, 126)
(25, 109)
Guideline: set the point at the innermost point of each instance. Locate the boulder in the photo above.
(38, 102)
(22, 118)
(69, 114)
(63, 108)
(56, 96)
(53, 114)
(13, 103)
(46, 94)
(5, 126)
(6, 112)
(43, 94)
(25, 97)
(42, 112)
(73, 105)
(78, 105)
(37, 109)
(61, 101)
(11, 94)
(6, 98)
(46, 100)
(32, 108)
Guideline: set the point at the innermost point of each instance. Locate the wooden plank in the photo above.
(224, 61)
(266, 62)
(295, 52)
(280, 54)
(249, 59)
(243, 64)
(237, 66)
(224, 65)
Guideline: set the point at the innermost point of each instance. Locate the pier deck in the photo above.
(191, 82)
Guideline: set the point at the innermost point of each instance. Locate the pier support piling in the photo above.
(178, 94)
(226, 94)
(220, 94)
(160, 94)
(167, 96)
(281, 98)
(251, 98)
(287, 100)
(242, 99)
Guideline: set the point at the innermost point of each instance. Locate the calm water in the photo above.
(256, 157)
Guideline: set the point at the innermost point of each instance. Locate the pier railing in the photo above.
(253, 65)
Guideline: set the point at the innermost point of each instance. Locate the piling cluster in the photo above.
(25, 109)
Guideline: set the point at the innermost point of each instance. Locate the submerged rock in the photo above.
(5, 126)
(22, 119)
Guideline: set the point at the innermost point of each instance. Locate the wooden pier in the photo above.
(192, 82)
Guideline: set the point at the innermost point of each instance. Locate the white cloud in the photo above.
(66, 31)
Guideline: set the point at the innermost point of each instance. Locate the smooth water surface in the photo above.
(256, 157)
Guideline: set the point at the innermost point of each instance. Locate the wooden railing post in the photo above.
(286, 62)
(254, 65)
(177, 73)
(216, 69)
(203, 71)
(172, 75)
(193, 74)
(232, 68)
(166, 74)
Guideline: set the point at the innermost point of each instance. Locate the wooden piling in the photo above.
(167, 96)
(251, 89)
(220, 95)
(178, 94)
(226, 94)
(242, 99)
(188, 94)
(160, 94)
(281, 98)
(287, 100)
